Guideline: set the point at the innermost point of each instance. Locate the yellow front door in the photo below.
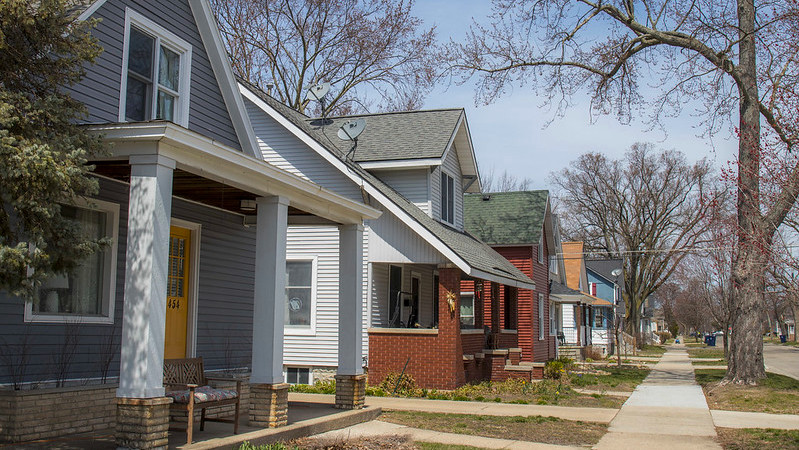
(177, 296)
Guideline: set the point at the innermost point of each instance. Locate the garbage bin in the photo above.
(783, 338)
(707, 339)
(711, 340)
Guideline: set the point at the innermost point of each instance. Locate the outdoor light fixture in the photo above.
(248, 205)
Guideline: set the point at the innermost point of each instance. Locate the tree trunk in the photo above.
(745, 364)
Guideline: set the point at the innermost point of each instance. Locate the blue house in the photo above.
(604, 285)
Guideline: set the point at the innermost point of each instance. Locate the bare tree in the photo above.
(731, 54)
(506, 182)
(644, 209)
(371, 51)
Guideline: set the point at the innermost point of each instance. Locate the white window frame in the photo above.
(541, 250)
(541, 321)
(109, 273)
(445, 198)
(553, 322)
(170, 40)
(310, 374)
(298, 330)
(474, 306)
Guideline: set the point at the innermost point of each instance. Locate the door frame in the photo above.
(194, 279)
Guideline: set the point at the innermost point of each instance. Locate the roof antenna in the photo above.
(350, 131)
(318, 93)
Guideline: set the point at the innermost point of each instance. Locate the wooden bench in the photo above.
(187, 385)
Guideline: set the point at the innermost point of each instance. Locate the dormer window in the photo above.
(447, 198)
(155, 79)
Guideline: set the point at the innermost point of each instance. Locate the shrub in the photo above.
(400, 384)
(554, 370)
(593, 353)
(320, 387)
(664, 336)
(568, 363)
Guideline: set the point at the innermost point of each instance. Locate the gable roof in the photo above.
(603, 267)
(506, 218)
(478, 259)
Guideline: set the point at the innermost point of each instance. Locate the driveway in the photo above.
(783, 360)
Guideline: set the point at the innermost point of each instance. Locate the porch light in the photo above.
(248, 205)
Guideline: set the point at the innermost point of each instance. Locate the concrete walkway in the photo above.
(378, 428)
(668, 410)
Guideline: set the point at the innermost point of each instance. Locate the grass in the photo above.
(710, 362)
(372, 443)
(549, 430)
(618, 379)
(776, 394)
(706, 352)
(756, 439)
(652, 350)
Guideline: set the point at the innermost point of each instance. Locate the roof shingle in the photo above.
(506, 218)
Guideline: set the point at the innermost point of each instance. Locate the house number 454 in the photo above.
(173, 303)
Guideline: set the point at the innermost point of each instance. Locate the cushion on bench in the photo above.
(202, 394)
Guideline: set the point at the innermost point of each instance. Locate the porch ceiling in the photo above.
(193, 187)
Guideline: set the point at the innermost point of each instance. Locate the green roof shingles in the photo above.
(506, 218)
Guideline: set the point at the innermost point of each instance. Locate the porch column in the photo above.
(268, 392)
(142, 410)
(350, 380)
(449, 327)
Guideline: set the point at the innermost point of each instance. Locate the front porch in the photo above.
(460, 330)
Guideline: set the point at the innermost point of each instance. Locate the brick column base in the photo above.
(269, 405)
(350, 391)
(143, 423)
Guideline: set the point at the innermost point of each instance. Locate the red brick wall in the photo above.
(508, 340)
(434, 361)
(472, 343)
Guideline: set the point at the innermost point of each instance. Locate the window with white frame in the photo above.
(541, 250)
(553, 264)
(299, 293)
(553, 319)
(87, 293)
(155, 79)
(541, 317)
(447, 198)
(298, 375)
(467, 310)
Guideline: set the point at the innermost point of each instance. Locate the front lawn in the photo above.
(776, 341)
(652, 350)
(611, 378)
(756, 439)
(710, 362)
(706, 353)
(549, 430)
(372, 443)
(776, 394)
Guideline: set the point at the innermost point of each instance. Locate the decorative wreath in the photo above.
(451, 301)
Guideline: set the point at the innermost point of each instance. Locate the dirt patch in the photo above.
(549, 430)
(777, 394)
(756, 439)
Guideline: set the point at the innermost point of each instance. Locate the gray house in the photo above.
(198, 224)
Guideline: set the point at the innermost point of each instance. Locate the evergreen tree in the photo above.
(44, 49)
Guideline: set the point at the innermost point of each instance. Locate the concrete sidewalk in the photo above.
(600, 415)
(668, 410)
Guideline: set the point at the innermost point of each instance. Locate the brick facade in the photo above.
(269, 405)
(47, 413)
(143, 423)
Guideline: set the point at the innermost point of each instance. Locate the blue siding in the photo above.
(224, 313)
(208, 114)
(604, 289)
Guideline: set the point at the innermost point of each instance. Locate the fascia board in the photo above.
(88, 12)
(422, 163)
(208, 158)
(502, 280)
(220, 63)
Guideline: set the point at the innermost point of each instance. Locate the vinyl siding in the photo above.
(414, 185)
(284, 150)
(570, 329)
(390, 240)
(380, 292)
(100, 89)
(451, 166)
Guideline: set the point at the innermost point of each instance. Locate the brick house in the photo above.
(520, 226)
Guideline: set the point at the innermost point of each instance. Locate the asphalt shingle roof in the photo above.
(476, 253)
(603, 267)
(556, 288)
(506, 218)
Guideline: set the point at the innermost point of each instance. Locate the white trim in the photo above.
(298, 330)
(194, 275)
(109, 272)
(202, 155)
(472, 331)
(421, 163)
(220, 63)
(474, 315)
(409, 221)
(88, 12)
(161, 35)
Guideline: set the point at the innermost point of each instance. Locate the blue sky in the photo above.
(510, 135)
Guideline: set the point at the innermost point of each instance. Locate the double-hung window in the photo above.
(155, 79)
(467, 310)
(447, 198)
(553, 319)
(87, 293)
(541, 317)
(299, 294)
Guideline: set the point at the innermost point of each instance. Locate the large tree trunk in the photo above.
(745, 364)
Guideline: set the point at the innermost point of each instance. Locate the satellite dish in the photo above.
(351, 129)
(616, 272)
(318, 92)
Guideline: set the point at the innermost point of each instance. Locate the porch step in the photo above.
(574, 352)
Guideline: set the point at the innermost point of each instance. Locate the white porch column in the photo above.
(350, 303)
(144, 318)
(270, 291)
